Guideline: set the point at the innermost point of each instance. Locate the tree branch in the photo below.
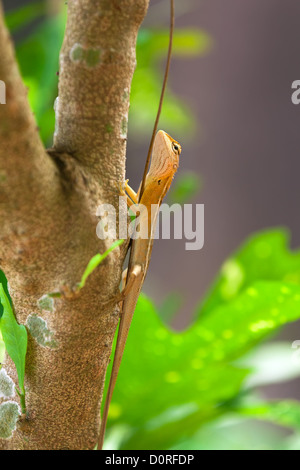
(96, 67)
(26, 171)
(18, 130)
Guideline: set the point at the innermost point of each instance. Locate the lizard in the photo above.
(164, 164)
(164, 153)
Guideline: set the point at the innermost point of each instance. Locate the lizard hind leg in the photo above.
(130, 279)
(127, 282)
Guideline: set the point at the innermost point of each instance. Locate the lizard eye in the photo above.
(176, 148)
(159, 181)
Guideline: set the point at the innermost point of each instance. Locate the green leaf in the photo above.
(3, 281)
(38, 58)
(167, 370)
(186, 42)
(284, 413)
(253, 315)
(232, 432)
(192, 370)
(2, 350)
(95, 261)
(264, 257)
(14, 337)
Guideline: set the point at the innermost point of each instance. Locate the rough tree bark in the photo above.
(48, 204)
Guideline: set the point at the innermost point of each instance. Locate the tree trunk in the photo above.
(48, 203)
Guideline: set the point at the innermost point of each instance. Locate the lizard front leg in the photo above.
(131, 193)
(131, 196)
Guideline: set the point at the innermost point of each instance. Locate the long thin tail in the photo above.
(112, 383)
(135, 281)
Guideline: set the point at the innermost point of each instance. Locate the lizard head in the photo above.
(165, 157)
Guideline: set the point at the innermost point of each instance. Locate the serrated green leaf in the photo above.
(14, 337)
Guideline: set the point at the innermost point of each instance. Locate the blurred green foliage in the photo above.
(38, 57)
(171, 384)
(20, 17)
(184, 188)
(152, 46)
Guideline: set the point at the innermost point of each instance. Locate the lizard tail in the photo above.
(105, 411)
(125, 321)
(121, 340)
